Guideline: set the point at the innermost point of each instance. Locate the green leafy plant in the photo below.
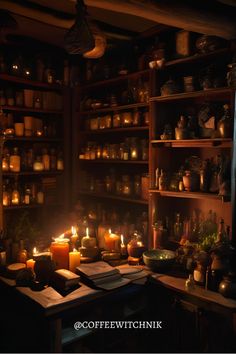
(206, 242)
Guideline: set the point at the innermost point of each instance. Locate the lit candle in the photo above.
(74, 236)
(30, 263)
(112, 241)
(74, 260)
(60, 252)
(123, 248)
(88, 241)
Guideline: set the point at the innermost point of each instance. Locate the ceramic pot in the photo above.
(227, 286)
(191, 181)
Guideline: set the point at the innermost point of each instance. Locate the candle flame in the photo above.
(87, 232)
(73, 230)
(35, 250)
(61, 236)
(122, 239)
(139, 243)
(74, 250)
(110, 231)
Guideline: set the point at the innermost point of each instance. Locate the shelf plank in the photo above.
(30, 206)
(33, 173)
(188, 143)
(116, 161)
(32, 138)
(115, 80)
(30, 110)
(28, 82)
(116, 130)
(195, 94)
(113, 197)
(197, 57)
(191, 195)
(115, 108)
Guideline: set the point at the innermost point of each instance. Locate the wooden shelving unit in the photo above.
(115, 108)
(116, 130)
(194, 143)
(30, 83)
(191, 195)
(30, 110)
(136, 162)
(114, 197)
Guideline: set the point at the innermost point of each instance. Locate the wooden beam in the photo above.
(176, 13)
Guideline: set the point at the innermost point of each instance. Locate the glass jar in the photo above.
(60, 161)
(118, 187)
(136, 118)
(6, 160)
(38, 164)
(134, 150)
(40, 196)
(6, 200)
(15, 161)
(105, 152)
(126, 186)
(114, 151)
(144, 150)
(163, 181)
(108, 121)
(99, 152)
(126, 119)
(116, 120)
(136, 247)
(93, 124)
(15, 196)
(108, 184)
(27, 195)
(146, 118)
(45, 160)
(137, 186)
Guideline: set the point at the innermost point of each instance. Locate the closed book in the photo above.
(64, 278)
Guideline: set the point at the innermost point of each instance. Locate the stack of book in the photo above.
(101, 275)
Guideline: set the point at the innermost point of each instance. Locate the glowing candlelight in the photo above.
(60, 251)
(112, 241)
(74, 236)
(74, 260)
(87, 232)
(122, 240)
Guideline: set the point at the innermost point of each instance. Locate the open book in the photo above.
(101, 275)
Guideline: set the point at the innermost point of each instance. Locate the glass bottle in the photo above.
(40, 195)
(60, 161)
(27, 195)
(38, 164)
(126, 151)
(15, 160)
(29, 159)
(15, 196)
(49, 74)
(144, 150)
(46, 160)
(6, 160)
(6, 200)
(178, 228)
(137, 186)
(163, 181)
(157, 176)
(22, 253)
(53, 159)
(126, 185)
(134, 151)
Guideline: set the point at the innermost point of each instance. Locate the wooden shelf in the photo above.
(33, 173)
(32, 138)
(138, 162)
(115, 108)
(196, 94)
(28, 82)
(30, 110)
(30, 206)
(194, 143)
(191, 195)
(116, 130)
(197, 58)
(113, 197)
(115, 80)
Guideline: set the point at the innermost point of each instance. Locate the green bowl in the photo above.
(159, 259)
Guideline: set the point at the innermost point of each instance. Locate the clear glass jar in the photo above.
(15, 161)
(15, 196)
(99, 152)
(116, 120)
(108, 184)
(136, 118)
(134, 150)
(6, 200)
(144, 150)
(127, 119)
(137, 186)
(126, 186)
(38, 164)
(105, 152)
(146, 118)
(6, 160)
(108, 121)
(45, 160)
